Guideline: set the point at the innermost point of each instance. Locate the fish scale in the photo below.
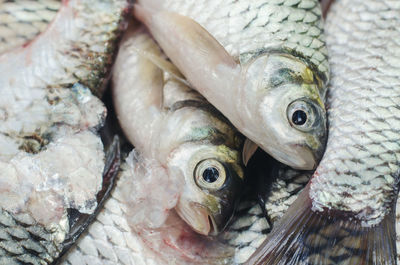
(260, 25)
(34, 245)
(54, 168)
(346, 214)
(21, 20)
(362, 117)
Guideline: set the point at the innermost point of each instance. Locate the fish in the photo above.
(346, 214)
(112, 240)
(191, 146)
(55, 169)
(263, 64)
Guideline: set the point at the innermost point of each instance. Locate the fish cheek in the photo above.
(226, 198)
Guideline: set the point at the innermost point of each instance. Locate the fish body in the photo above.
(263, 64)
(55, 170)
(346, 213)
(178, 129)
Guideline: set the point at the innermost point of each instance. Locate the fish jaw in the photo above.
(205, 208)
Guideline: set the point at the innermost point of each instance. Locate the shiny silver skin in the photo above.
(346, 214)
(257, 62)
(168, 122)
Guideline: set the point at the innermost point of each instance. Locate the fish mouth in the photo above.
(198, 218)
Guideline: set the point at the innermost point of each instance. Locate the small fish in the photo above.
(180, 131)
(55, 170)
(346, 214)
(263, 64)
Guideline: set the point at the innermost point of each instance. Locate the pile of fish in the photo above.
(161, 164)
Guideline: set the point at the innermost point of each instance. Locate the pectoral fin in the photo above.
(249, 148)
(163, 64)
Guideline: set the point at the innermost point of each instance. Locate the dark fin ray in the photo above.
(325, 5)
(306, 237)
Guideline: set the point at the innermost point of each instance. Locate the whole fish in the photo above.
(175, 127)
(346, 215)
(54, 172)
(262, 63)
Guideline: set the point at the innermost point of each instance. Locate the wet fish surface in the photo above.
(346, 215)
(175, 127)
(263, 64)
(55, 171)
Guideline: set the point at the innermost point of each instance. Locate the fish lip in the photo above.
(198, 218)
(307, 158)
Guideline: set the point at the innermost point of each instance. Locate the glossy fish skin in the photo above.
(54, 169)
(265, 58)
(347, 210)
(150, 106)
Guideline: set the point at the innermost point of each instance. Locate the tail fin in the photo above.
(321, 238)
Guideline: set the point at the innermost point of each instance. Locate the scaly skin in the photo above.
(21, 20)
(346, 214)
(52, 158)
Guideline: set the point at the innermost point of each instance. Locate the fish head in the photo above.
(213, 181)
(285, 101)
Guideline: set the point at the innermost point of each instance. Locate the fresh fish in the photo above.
(54, 172)
(346, 215)
(262, 63)
(23, 20)
(178, 130)
(111, 239)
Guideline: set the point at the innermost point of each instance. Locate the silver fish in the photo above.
(173, 125)
(262, 63)
(54, 172)
(346, 213)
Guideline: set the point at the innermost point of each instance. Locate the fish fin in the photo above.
(325, 6)
(249, 148)
(163, 64)
(180, 36)
(304, 237)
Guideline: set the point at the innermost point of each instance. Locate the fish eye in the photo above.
(210, 174)
(302, 115)
(299, 117)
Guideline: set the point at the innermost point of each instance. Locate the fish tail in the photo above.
(304, 236)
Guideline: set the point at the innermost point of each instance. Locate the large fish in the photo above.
(53, 168)
(177, 128)
(346, 213)
(263, 64)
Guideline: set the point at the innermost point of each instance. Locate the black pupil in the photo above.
(299, 117)
(210, 174)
